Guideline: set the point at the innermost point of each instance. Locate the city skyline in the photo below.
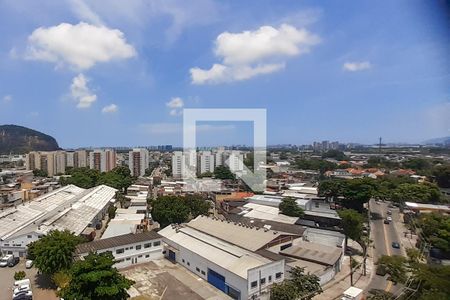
(323, 72)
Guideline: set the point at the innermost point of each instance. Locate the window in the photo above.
(182, 260)
(140, 256)
(127, 248)
(128, 258)
(188, 264)
(29, 236)
(262, 281)
(254, 284)
(157, 243)
(278, 275)
(119, 251)
(197, 269)
(203, 272)
(138, 247)
(270, 278)
(148, 245)
(147, 256)
(131, 247)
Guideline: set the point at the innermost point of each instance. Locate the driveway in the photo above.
(40, 285)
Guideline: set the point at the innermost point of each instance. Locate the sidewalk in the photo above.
(408, 240)
(335, 288)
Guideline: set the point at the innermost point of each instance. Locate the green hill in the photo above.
(19, 139)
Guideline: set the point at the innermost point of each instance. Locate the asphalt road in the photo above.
(383, 235)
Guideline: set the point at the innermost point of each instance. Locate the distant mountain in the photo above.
(442, 140)
(18, 139)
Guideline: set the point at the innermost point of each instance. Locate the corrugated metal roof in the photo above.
(116, 241)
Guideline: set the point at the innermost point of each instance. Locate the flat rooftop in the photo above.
(265, 212)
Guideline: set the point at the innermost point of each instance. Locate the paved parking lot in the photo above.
(39, 284)
(164, 280)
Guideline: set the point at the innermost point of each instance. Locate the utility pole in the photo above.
(351, 270)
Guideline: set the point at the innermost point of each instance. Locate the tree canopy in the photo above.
(176, 209)
(298, 286)
(436, 228)
(352, 224)
(119, 178)
(336, 154)
(289, 207)
(223, 172)
(54, 252)
(96, 278)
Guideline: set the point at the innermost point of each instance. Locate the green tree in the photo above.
(96, 278)
(19, 275)
(336, 154)
(436, 228)
(298, 285)
(352, 225)
(40, 173)
(54, 251)
(112, 211)
(331, 188)
(170, 209)
(223, 172)
(61, 279)
(396, 266)
(197, 205)
(415, 192)
(289, 207)
(357, 192)
(442, 175)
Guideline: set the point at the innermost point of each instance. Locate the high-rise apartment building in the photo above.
(206, 162)
(52, 162)
(235, 161)
(80, 159)
(178, 164)
(102, 160)
(138, 161)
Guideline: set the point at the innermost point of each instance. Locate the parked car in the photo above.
(389, 219)
(389, 212)
(395, 245)
(28, 264)
(386, 221)
(4, 261)
(13, 262)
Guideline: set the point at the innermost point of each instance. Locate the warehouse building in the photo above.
(69, 207)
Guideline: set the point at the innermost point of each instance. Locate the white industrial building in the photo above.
(127, 249)
(69, 207)
(232, 257)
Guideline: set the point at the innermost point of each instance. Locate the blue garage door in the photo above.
(172, 255)
(217, 280)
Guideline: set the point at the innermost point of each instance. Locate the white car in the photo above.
(28, 264)
(5, 260)
(389, 219)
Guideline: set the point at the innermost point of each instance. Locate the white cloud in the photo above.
(80, 46)
(112, 108)
(81, 93)
(84, 12)
(7, 98)
(357, 66)
(175, 102)
(176, 105)
(251, 53)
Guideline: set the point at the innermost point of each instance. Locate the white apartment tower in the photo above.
(138, 161)
(235, 161)
(102, 160)
(177, 164)
(206, 162)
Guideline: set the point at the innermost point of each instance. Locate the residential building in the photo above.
(52, 162)
(235, 161)
(102, 160)
(206, 162)
(80, 159)
(138, 160)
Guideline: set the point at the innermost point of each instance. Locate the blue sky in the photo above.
(120, 74)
